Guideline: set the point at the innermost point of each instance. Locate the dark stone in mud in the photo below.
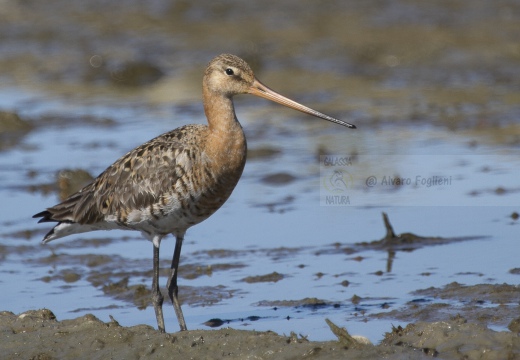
(217, 322)
(214, 323)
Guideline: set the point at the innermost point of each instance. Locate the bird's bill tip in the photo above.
(259, 89)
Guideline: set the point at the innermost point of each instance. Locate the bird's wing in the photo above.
(135, 181)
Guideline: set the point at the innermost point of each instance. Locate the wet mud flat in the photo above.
(394, 66)
(37, 334)
(450, 322)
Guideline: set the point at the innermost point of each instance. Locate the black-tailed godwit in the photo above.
(175, 180)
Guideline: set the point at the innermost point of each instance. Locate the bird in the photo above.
(174, 181)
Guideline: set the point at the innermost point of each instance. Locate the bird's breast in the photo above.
(202, 181)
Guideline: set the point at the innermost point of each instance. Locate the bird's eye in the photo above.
(230, 71)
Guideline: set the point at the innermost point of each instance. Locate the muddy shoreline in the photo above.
(37, 334)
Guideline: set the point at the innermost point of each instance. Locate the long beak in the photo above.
(261, 90)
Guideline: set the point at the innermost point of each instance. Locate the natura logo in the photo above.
(337, 181)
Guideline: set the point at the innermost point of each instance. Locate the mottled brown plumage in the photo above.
(175, 180)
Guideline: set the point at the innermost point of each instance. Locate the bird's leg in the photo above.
(172, 282)
(157, 297)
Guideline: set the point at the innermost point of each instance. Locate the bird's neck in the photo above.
(226, 139)
(220, 112)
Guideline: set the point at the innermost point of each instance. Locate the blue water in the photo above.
(468, 206)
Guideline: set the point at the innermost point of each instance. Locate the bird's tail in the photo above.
(62, 213)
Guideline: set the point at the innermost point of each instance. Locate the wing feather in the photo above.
(137, 180)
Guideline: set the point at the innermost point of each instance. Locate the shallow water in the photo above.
(261, 217)
(412, 128)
